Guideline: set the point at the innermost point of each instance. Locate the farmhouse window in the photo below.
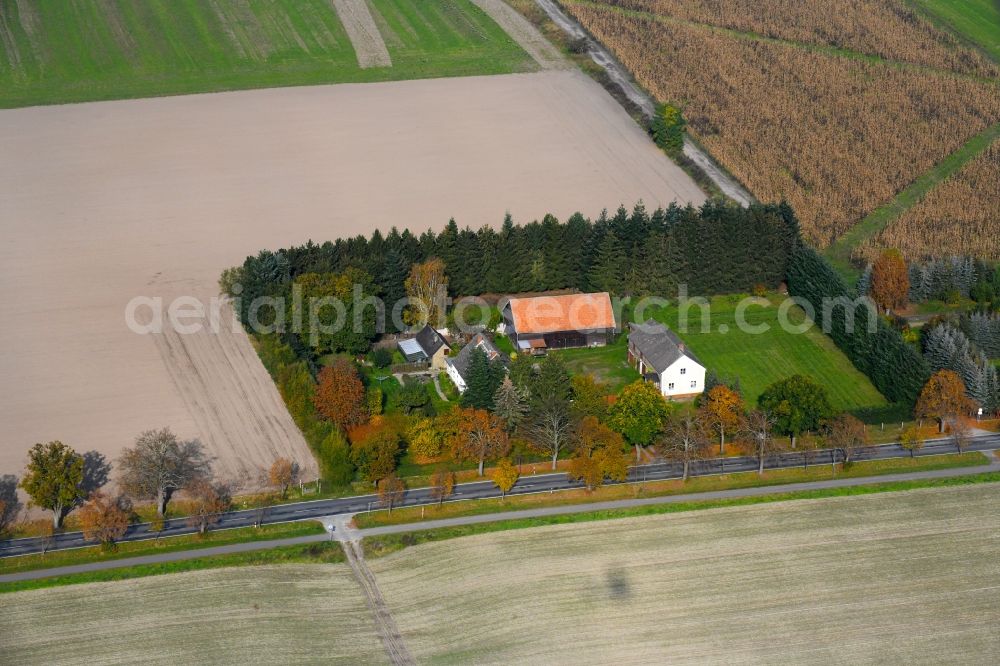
(684, 371)
(694, 384)
(670, 386)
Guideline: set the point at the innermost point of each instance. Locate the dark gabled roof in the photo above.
(430, 340)
(463, 359)
(660, 347)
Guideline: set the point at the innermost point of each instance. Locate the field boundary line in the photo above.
(385, 625)
(839, 253)
(369, 47)
(748, 35)
(526, 35)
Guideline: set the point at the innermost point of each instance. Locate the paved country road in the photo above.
(527, 484)
(345, 533)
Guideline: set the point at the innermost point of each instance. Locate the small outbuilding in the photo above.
(427, 346)
(662, 358)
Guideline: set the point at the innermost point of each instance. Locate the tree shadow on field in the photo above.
(96, 472)
(617, 583)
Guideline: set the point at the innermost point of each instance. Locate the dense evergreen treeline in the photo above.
(984, 331)
(947, 279)
(717, 248)
(895, 368)
(946, 347)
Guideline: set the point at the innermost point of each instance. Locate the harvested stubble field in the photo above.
(835, 134)
(107, 201)
(908, 577)
(295, 613)
(960, 216)
(902, 577)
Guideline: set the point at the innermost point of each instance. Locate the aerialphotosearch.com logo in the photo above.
(313, 317)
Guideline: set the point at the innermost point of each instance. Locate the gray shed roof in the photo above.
(430, 340)
(463, 359)
(660, 347)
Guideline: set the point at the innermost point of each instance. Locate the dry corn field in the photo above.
(960, 216)
(906, 577)
(888, 29)
(835, 136)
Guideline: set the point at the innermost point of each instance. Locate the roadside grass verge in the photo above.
(699, 484)
(840, 252)
(384, 545)
(74, 556)
(324, 552)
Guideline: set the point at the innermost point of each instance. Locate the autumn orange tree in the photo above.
(340, 395)
(283, 473)
(103, 519)
(943, 398)
(391, 490)
(722, 409)
(481, 437)
(377, 454)
(442, 484)
(890, 285)
(426, 287)
(601, 453)
(207, 502)
(504, 476)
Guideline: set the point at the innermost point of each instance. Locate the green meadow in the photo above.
(766, 352)
(52, 51)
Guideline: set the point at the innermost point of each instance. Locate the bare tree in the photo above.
(686, 439)
(283, 473)
(961, 433)
(208, 502)
(846, 435)
(442, 484)
(390, 491)
(550, 428)
(758, 428)
(159, 464)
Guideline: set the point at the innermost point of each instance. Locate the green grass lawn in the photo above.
(976, 20)
(56, 52)
(761, 359)
(606, 364)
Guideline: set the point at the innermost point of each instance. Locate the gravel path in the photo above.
(393, 642)
(620, 75)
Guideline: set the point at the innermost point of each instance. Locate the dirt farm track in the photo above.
(103, 202)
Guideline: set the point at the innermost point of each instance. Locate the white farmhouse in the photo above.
(458, 366)
(661, 357)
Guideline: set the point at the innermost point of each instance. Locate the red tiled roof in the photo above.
(568, 312)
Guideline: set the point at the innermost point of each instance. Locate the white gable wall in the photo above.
(455, 377)
(684, 377)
